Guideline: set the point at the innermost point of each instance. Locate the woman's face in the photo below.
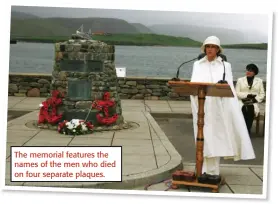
(249, 73)
(211, 51)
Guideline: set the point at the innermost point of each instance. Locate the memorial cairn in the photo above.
(84, 85)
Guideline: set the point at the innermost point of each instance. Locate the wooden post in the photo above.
(200, 134)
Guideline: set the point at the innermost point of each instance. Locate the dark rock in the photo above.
(34, 92)
(43, 81)
(13, 88)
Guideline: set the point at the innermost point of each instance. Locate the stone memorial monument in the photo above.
(83, 71)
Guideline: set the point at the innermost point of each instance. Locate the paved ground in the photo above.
(180, 133)
(149, 156)
(240, 179)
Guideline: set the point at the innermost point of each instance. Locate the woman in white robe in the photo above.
(225, 132)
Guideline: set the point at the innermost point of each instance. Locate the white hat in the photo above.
(211, 40)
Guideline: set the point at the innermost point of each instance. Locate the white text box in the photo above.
(66, 164)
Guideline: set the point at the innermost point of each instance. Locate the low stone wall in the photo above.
(147, 88)
(38, 85)
(31, 85)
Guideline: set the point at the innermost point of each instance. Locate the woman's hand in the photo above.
(251, 96)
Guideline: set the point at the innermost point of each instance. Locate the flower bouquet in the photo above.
(75, 127)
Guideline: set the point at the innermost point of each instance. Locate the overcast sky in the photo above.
(251, 22)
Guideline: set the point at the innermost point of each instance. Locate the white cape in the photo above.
(225, 132)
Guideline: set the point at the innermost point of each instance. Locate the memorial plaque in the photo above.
(81, 66)
(94, 66)
(79, 89)
(73, 65)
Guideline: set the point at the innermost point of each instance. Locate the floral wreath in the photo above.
(48, 110)
(103, 106)
(75, 127)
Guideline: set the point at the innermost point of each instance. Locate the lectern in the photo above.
(201, 90)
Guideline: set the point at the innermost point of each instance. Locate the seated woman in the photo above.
(250, 92)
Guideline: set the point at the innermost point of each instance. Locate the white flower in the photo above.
(70, 126)
(84, 128)
(41, 105)
(75, 121)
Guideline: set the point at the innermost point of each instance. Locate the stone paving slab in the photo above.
(130, 135)
(245, 189)
(12, 101)
(31, 116)
(249, 180)
(258, 171)
(130, 109)
(235, 171)
(48, 134)
(100, 135)
(155, 102)
(131, 102)
(184, 110)
(182, 104)
(124, 142)
(19, 127)
(28, 103)
(90, 141)
(157, 109)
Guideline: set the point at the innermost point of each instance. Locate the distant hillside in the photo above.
(147, 39)
(199, 33)
(109, 25)
(21, 15)
(125, 39)
(142, 28)
(67, 26)
(38, 27)
(259, 46)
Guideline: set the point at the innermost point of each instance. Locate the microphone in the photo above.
(178, 71)
(223, 81)
(200, 57)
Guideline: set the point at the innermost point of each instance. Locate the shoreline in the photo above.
(261, 46)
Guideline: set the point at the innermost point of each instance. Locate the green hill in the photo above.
(124, 39)
(38, 28)
(31, 28)
(21, 15)
(147, 39)
(65, 27)
(259, 46)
